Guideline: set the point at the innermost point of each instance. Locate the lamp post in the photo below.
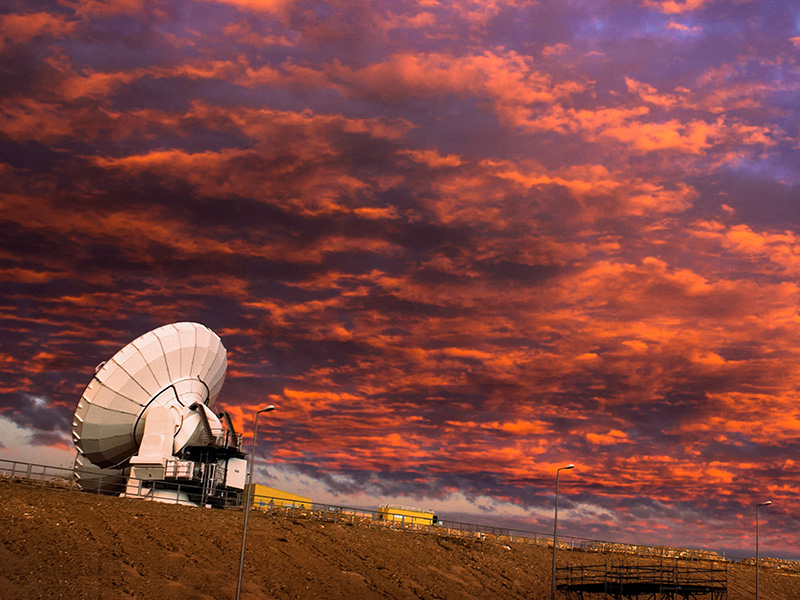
(767, 503)
(555, 534)
(249, 499)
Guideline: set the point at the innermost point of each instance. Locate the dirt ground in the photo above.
(61, 544)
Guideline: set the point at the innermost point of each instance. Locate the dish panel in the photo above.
(122, 390)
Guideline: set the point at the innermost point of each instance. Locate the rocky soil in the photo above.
(61, 544)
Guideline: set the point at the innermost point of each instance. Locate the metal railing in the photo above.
(94, 481)
(110, 483)
(662, 580)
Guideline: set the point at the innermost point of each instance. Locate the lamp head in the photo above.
(268, 408)
(567, 467)
(767, 503)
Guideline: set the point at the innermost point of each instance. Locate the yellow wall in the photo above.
(262, 495)
(406, 515)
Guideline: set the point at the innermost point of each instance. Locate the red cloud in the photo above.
(455, 254)
(509, 82)
(21, 28)
(257, 6)
(672, 7)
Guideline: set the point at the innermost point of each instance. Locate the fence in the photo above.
(630, 582)
(91, 480)
(97, 481)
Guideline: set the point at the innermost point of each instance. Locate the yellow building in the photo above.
(418, 516)
(264, 495)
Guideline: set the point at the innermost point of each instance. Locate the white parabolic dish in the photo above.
(181, 362)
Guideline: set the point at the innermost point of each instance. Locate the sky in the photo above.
(458, 244)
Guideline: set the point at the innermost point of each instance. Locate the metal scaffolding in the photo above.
(643, 582)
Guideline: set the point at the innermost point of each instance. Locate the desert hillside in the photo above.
(60, 544)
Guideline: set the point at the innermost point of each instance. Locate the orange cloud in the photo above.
(672, 7)
(614, 436)
(693, 137)
(18, 28)
(31, 120)
(244, 33)
(649, 94)
(778, 251)
(304, 137)
(654, 198)
(258, 6)
(432, 158)
(628, 125)
(463, 265)
(508, 81)
(673, 26)
(630, 195)
(86, 82)
(555, 50)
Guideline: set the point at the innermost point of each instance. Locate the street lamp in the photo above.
(767, 503)
(249, 499)
(555, 534)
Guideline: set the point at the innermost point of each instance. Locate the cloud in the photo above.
(672, 7)
(555, 50)
(773, 250)
(682, 28)
(508, 81)
(23, 445)
(458, 245)
(18, 28)
(649, 94)
(612, 437)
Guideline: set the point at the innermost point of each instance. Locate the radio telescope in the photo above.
(146, 419)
